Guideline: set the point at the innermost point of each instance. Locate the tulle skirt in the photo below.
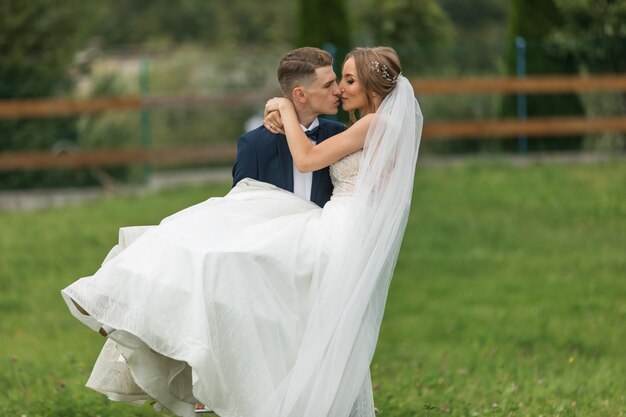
(211, 304)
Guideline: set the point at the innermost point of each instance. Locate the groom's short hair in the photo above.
(298, 67)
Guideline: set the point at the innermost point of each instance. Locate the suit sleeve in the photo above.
(246, 163)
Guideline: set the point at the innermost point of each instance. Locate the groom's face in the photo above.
(323, 93)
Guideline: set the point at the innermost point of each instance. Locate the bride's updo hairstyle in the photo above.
(378, 69)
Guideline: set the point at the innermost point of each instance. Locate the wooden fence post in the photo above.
(520, 45)
(146, 131)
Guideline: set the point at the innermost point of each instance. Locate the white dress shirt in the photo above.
(302, 182)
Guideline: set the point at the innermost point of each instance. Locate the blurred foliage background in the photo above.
(508, 298)
(73, 48)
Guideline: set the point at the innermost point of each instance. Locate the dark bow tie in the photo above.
(313, 133)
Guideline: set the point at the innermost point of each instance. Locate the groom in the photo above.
(306, 77)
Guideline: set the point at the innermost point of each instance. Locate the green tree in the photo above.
(38, 41)
(216, 22)
(324, 24)
(124, 22)
(420, 31)
(536, 21)
(595, 32)
(480, 34)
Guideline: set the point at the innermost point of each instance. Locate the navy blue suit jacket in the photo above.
(264, 156)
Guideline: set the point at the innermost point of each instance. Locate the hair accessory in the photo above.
(383, 71)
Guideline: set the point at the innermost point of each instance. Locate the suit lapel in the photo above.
(317, 175)
(286, 162)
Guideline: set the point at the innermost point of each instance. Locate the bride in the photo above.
(260, 303)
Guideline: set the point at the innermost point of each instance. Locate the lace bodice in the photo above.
(343, 173)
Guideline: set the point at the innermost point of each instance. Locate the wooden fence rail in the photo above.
(24, 161)
(489, 129)
(514, 85)
(28, 161)
(18, 109)
(28, 109)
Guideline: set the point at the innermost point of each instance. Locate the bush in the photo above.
(36, 61)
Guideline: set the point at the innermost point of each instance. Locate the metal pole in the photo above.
(146, 132)
(520, 46)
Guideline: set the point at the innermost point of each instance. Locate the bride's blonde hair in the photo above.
(378, 69)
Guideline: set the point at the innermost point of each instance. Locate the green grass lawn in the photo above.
(509, 297)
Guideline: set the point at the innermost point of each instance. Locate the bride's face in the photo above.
(352, 92)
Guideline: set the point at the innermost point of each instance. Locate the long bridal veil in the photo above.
(342, 329)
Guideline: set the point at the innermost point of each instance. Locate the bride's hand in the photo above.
(275, 104)
(271, 115)
(274, 123)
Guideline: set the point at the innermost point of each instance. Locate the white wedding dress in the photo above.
(260, 304)
(213, 302)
